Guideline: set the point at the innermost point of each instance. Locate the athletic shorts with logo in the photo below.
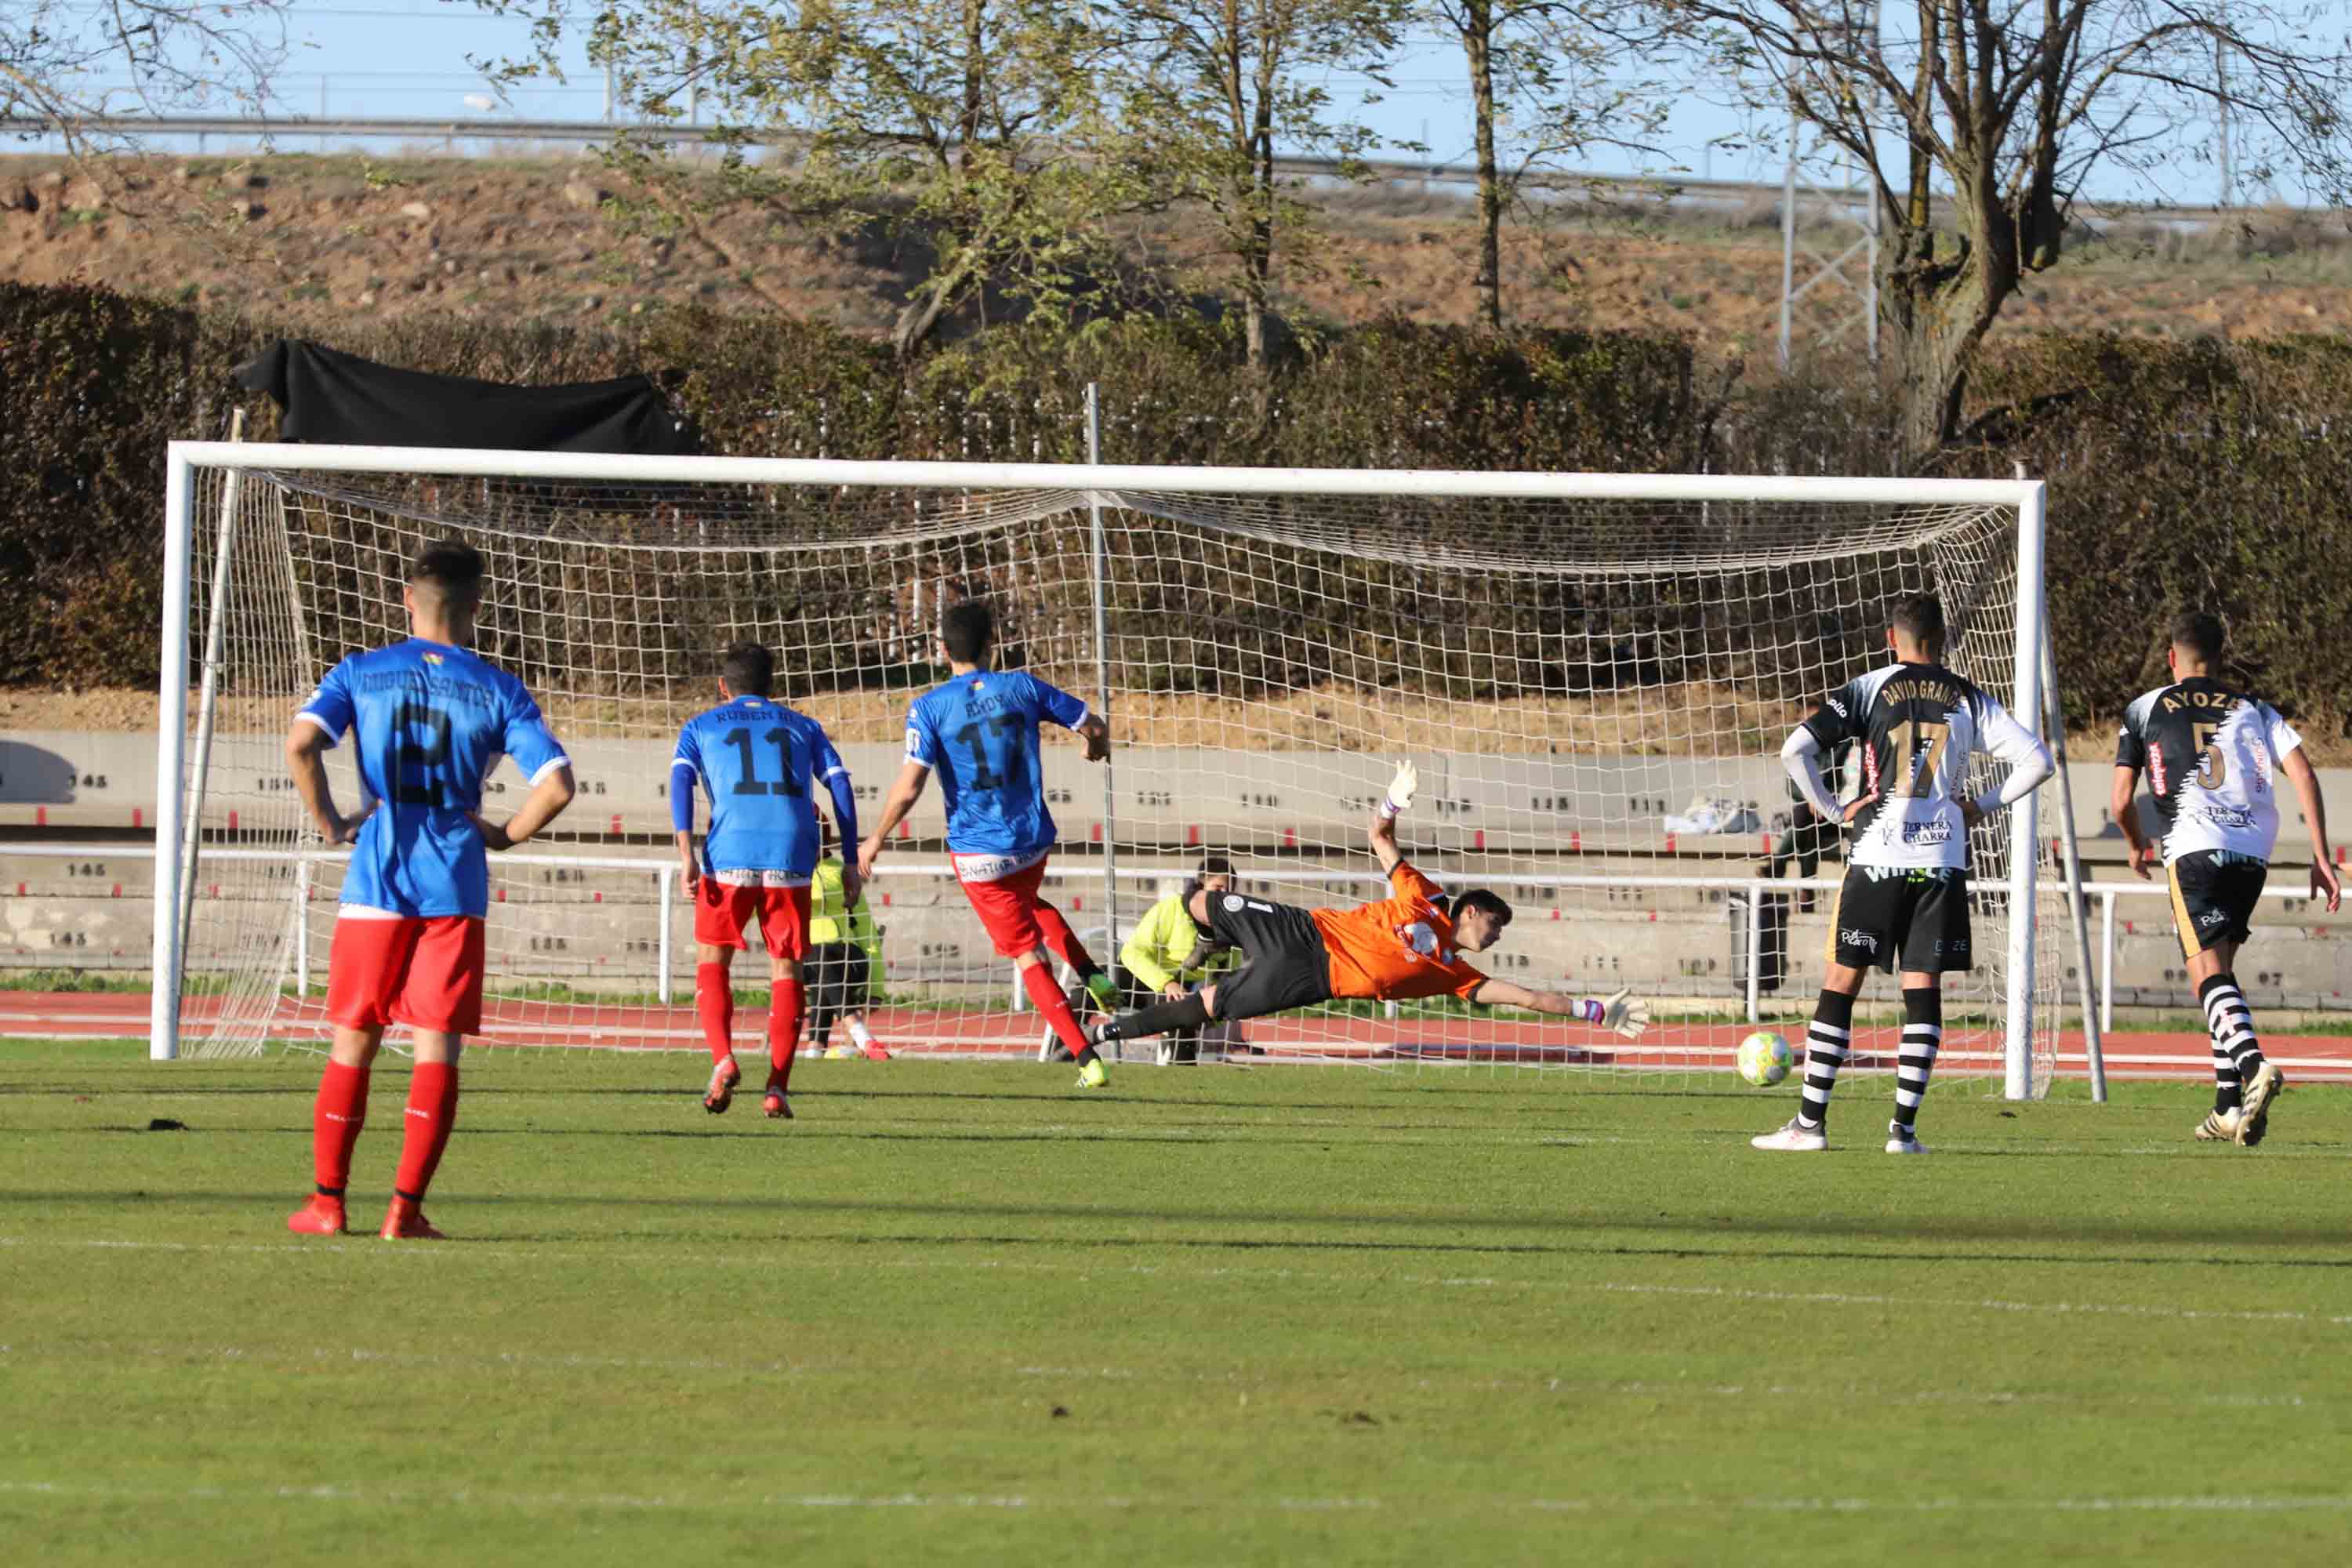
(1918, 914)
(2213, 896)
(425, 973)
(1284, 961)
(723, 910)
(1004, 895)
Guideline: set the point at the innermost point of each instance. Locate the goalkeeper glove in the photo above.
(1401, 790)
(1627, 1014)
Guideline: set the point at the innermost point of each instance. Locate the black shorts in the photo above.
(838, 975)
(1284, 961)
(1920, 914)
(2213, 896)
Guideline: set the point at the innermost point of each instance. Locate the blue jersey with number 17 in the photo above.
(432, 721)
(978, 734)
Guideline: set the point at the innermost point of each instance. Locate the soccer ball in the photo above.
(1765, 1058)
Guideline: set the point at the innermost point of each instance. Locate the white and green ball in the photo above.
(1765, 1058)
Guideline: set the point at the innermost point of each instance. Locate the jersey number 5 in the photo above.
(750, 782)
(2212, 768)
(1908, 736)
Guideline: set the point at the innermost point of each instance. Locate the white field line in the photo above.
(80, 1350)
(702, 1502)
(450, 1256)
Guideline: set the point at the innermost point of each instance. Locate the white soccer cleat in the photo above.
(2219, 1127)
(1901, 1140)
(1402, 787)
(1795, 1138)
(2267, 1084)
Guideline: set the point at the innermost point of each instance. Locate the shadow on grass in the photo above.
(1579, 1235)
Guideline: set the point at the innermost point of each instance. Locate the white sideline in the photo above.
(1220, 1502)
(450, 1256)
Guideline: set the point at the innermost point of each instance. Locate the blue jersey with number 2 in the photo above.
(978, 734)
(432, 722)
(758, 762)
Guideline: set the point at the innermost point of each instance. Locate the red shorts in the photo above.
(722, 911)
(425, 973)
(1008, 909)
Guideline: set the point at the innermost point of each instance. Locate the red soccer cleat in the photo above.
(322, 1215)
(774, 1104)
(875, 1051)
(405, 1221)
(724, 1076)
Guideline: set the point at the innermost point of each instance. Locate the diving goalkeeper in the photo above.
(1409, 944)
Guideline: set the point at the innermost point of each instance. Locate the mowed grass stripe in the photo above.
(1291, 1315)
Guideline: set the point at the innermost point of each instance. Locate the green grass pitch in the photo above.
(962, 1313)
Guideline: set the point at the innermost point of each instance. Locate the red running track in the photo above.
(2179, 1057)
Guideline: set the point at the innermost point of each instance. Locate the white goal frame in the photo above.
(1097, 484)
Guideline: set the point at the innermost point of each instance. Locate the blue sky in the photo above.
(407, 58)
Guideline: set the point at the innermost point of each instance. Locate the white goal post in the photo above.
(1586, 660)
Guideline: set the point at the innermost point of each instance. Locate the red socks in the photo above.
(1061, 940)
(714, 1003)
(1038, 981)
(432, 1113)
(786, 1017)
(335, 1123)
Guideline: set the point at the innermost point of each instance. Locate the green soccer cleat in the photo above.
(1106, 995)
(1094, 1075)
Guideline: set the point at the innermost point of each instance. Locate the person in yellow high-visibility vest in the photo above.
(844, 954)
(1166, 954)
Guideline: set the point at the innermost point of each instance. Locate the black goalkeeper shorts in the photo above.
(1284, 961)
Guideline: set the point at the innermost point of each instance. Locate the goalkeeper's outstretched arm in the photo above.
(1383, 830)
(1622, 1011)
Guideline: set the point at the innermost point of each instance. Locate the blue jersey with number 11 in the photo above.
(756, 763)
(432, 721)
(978, 734)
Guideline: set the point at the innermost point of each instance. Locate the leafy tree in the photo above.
(1213, 87)
(972, 130)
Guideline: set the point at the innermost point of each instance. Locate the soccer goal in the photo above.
(1594, 673)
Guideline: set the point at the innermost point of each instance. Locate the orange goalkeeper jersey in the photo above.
(1397, 949)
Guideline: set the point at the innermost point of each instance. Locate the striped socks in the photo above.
(2236, 1052)
(1915, 1063)
(1826, 1043)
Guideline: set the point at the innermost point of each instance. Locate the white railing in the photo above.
(663, 874)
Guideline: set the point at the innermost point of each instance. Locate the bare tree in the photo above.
(1980, 123)
(1541, 71)
(66, 66)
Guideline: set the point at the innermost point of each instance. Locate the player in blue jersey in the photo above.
(758, 762)
(978, 734)
(432, 719)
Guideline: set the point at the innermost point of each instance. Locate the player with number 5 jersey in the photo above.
(432, 719)
(978, 734)
(759, 763)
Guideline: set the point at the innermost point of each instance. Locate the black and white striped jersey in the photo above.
(1916, 726)
(2211, 756)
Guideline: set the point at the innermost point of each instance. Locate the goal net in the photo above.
(1594, 674)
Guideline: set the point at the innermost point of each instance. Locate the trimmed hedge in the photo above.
(2182, 472)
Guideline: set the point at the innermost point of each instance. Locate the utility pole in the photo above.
(1846, 179)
